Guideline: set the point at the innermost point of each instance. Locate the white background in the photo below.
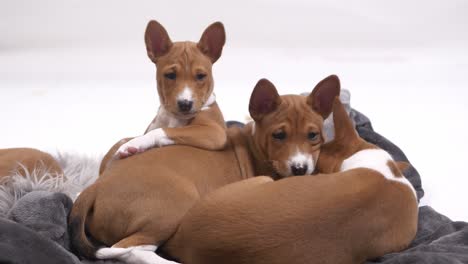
(74, 75)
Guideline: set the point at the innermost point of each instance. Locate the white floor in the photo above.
(62, 91)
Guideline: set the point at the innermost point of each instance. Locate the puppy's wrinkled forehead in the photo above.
(295, 111)
(184, 54)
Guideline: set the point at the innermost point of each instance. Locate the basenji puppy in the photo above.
(363, 209)
(25, 161)
(138, 202)
(188, 113)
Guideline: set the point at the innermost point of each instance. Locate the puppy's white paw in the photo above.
(126, 150)
(111, 253)
(134, 146)
(144, 254)
(154, 138)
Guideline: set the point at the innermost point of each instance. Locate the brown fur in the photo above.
(187, 60)
(31, 159)
(141, 199)
(342, 217)
(296, 127)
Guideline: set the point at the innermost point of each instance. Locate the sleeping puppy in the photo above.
(26, 160)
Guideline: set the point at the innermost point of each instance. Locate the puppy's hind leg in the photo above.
(137, 248)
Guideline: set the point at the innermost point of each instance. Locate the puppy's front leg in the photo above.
(154, 138)
(206, 131)
(209, 136)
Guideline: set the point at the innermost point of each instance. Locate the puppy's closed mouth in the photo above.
(276, 170)
(182, 115)
(188, 115)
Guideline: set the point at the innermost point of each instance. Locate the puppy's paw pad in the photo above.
(132, 150)
(126, 151)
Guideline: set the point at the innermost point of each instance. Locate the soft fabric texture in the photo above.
(80, 172)
(22, 245)
(34, 211)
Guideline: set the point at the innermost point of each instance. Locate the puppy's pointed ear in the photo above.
(264, 99)
(212, 41)
(157, 40)
(344, 128)
(321, 98)
(402, 165)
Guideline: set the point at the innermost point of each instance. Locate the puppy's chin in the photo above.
(183, 116)
(284, 172)
(279, 172)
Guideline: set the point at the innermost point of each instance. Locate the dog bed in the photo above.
(34, 209)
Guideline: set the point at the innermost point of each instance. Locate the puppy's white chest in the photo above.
(165, 119)
(170, 121)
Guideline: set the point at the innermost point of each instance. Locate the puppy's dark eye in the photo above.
(170, 75)
(312, 136)
(280, 135)
(200, 76)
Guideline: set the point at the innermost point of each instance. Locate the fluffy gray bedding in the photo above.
(33, 221)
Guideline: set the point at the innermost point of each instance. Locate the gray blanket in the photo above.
(36, 230)
(439, 240)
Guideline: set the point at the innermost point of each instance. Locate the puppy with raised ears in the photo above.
(137, 203)
(364, 208)
(188, 113)
(285, 130)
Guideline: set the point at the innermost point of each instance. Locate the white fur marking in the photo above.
(186, 94)
(154, 138)
(165, 119)
(144, 254)
(374, 159)
(301, 159)
(209, 102)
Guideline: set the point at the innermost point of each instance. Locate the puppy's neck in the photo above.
(165, 118)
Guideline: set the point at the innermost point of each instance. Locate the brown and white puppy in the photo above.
(138, 202)
(290, 141)
(188, 113)
(364, 209)
(26, 160)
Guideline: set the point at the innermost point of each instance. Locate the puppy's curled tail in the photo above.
(79, 240)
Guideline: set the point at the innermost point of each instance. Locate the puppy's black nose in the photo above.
(299, 169)
(185, 105)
